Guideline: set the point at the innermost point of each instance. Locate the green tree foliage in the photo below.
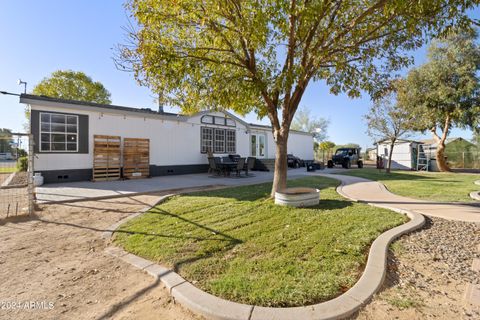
(387, 121)
(5, 140)
(347, 145)
(444, 92)
(476, 138)
(72, 85)
(326, 147)
(304, 121)
(260, 56)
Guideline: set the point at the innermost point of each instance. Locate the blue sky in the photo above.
(39, 37)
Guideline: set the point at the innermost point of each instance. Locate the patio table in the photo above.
(227, 166)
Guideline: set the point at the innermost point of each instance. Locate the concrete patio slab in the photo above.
(87, 190)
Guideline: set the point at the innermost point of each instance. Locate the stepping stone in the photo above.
(476, 264)
(472, 294)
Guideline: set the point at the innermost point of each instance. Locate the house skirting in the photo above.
(73, 175)
(264, 165)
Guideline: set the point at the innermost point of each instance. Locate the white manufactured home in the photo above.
(64, 131)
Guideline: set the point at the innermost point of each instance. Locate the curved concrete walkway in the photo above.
(375, 193)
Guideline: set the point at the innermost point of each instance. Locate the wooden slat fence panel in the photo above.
(106, 158)
(136, 158)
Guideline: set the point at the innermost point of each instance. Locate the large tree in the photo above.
(304, 121)
(72, 85)
(261, 55)
(444, 92)
(386, 121)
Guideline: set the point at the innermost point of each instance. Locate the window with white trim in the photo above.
(219, 141)
(58, 132)
(206, 139)
(219, 121)
(231, 141)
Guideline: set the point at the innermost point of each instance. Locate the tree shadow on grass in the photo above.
(393, 176)
(330, 204)
(229, 241)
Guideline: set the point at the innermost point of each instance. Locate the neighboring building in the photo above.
(372, 154)
(63, 133)
(404, 154)
(460, 153)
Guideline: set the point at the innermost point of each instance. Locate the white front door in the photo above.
(258, 145)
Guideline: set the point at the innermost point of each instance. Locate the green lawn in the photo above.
(436, 186)
(8, 169)
(237, 244)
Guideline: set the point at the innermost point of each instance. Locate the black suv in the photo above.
(345, 157)
(294, 162)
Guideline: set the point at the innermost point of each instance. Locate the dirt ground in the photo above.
(59, 257)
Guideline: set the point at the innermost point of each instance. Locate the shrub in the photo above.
(22, 164)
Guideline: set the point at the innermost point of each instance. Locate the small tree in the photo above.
(72, 85)
(304, 121)
(444, 92)
(326, 146)
(386, 121)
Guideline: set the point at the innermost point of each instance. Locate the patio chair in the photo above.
(249, 165)
(240, 166)
(213, 166)
(234, 157)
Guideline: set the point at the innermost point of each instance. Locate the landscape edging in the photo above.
(475, 195)
(213, 307)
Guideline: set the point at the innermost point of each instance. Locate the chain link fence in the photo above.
(16, 179)
(463, 160)
(455, 160)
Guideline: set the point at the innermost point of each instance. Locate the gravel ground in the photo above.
(20, 178)
(427, 274)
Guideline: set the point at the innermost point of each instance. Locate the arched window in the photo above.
(219, 121)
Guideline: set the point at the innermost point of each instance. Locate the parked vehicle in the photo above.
(345, 157)
(6, 156)
(294, 162)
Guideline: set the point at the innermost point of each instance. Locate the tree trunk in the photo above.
(389, 164)
(440, 156)
(440, 152)
(280, 174)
